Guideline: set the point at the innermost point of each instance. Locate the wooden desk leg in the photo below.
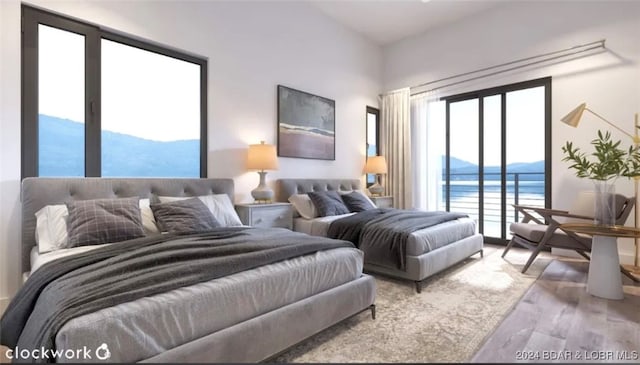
(604, 269)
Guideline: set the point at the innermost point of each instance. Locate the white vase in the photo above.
(605, 200)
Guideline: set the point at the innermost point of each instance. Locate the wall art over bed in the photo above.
(306, 125)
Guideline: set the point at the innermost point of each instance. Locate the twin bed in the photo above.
(237, 315)
(428, 251)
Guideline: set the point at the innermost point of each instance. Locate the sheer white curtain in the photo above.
(395, 135)
(428, 147)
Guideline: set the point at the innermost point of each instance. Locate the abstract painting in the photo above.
(306, 125)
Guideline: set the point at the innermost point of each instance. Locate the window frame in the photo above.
(376, 111)
(502, 90)
(93, 34)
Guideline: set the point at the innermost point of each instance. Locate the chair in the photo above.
(540, 228)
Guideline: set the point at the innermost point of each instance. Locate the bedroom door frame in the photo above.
(480, 95)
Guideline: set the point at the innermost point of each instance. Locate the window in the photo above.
(498, 153)
(97, 103)
(61, 113)
(373, 139)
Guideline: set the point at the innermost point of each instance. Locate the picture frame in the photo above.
(306, 125)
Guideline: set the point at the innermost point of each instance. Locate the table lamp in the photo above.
(262, 157)
(376, 165)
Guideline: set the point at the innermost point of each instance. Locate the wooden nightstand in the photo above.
(266, 215)
(382, 201)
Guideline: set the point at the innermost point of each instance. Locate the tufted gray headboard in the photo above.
(38, 192)
(287, 187)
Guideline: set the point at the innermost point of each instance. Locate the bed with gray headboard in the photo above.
(429, 250)
(172, 327)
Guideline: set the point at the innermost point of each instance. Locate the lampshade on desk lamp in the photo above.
(262, 157)
(376, 165)
(573, 119)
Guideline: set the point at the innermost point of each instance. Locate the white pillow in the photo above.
(148, 220)
(219, 204)
(342, 192)
(51, 225)
(304, 205)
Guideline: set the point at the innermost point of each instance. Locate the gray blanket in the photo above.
(383, 233)
(75, 285)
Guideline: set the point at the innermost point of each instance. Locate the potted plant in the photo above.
(604, 166)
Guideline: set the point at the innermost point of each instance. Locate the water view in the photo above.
(524, 188)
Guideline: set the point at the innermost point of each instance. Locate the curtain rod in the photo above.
(581, 48)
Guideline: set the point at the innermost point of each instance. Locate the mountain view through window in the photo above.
(149, 106)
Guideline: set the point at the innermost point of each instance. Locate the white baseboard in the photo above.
(626, 258)
(565, 253)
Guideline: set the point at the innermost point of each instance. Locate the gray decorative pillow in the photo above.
(184, 216)
(328, 203)
(98, 221)
(356, 202)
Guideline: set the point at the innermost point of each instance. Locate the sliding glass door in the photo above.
(498, 154)
(463, 158)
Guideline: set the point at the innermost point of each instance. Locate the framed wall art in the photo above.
(306, 125)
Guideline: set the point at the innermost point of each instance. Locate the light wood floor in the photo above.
(3, 358)
(557, 320)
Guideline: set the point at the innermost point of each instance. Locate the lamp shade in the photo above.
(376, 165)
(262, 157)
(573, 118)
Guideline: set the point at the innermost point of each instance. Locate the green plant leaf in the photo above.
(607, 161)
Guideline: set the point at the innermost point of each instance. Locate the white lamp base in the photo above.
(262, 194)
(376, 189)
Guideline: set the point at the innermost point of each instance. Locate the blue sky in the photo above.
(161, 100)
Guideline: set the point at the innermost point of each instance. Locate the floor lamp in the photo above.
(572, 119)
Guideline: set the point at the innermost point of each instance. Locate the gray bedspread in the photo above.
(126, 271)
(383, 233)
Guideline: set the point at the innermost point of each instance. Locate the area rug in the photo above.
(447, 322)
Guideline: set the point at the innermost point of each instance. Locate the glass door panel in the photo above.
(525, 149)
(492, 167)
(464, 195)
(61, 102)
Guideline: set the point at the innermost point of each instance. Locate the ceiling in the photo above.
(388, 21)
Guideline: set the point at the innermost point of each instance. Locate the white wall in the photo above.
(251, 47)
(609, 82)
(9, 148)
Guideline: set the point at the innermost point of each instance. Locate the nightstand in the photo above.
(382, 201)
(266, 215)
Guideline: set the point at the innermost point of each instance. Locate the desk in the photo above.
(604, 278)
